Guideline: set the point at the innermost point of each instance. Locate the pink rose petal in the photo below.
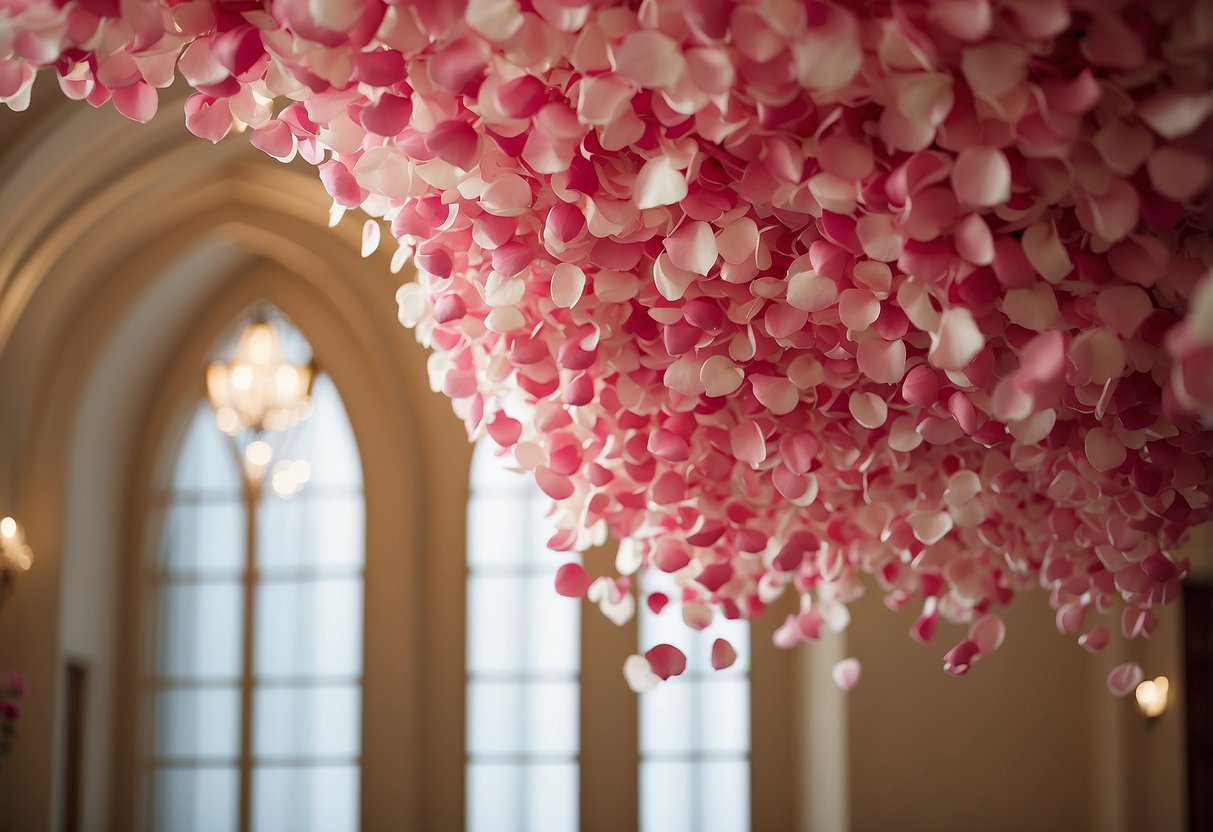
(1125, 678)
(846, 673)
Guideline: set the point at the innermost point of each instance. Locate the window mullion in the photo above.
(247, 667)
(609, 727)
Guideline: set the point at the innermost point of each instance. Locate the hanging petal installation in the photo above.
(782, 293)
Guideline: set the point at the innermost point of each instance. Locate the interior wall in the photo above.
(935, 753)
(91, 292)
(104, 439)
(1030, 739)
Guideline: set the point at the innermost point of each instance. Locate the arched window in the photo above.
(695, 728)
(692, 736)
(523, 657)
(251, 689)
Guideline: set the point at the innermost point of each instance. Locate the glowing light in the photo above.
(258, 453)
(8, 528)
(258, 387)
(284, 483)
(1152, 696)
(227, 420)
(301, 471)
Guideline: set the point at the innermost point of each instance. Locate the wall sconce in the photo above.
(16, 556)
(1152, 696)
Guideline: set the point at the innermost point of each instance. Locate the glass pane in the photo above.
(305, 799)
(194, 724)
(522, 718)
(326, 440)
(314, 529)
(309, 628)
(207, 460)
(724, 787)
(554, 627)
(307, 722)
(667, 793)
(195, 799)
(724, 716)
(203, 537)
(552, 800)
(496, 620)
(199, 635)
(497, 531)
(490, 474)
(695, 797)
(536, 797)
(667, 718)
(495, 798)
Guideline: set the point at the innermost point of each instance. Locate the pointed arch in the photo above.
(109, 278)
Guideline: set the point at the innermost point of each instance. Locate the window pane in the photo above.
(496, 621)
(552, 797)
(305, 799)
(666, 794)
(667, 718)
(309, 628)
(314, 529)
(710, 796)
(497, 531)
(326, 440)
(523, 654)
(207, 460)
(200, 723)
(695, 728)
(554, 631)
(200, 628)
(495, 798)
(522, 718)
(307, 722)
(195, 799)
(535, 797)
(724, 716)
(490, 474)
(206, 536)
(724, 786)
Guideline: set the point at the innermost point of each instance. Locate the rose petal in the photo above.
(846, 673)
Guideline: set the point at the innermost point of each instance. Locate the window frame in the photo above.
(609, 755)
(379, 373)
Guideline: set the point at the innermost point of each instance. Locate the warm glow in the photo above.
(263, 343)
(228, 420)
(301, 471)
(1152, 696)
(258, 453)
(257, 388)
(242, 377)
(284, 483)
(15, 551)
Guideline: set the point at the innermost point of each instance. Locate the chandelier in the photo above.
(259, 395)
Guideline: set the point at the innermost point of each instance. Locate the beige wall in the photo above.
(1031, 739)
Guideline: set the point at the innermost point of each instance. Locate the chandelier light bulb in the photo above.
(258, 453)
